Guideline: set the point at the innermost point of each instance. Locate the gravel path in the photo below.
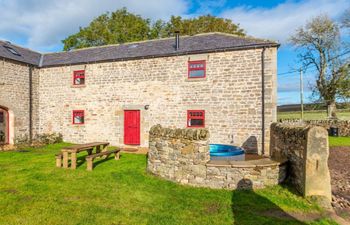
(339, 165)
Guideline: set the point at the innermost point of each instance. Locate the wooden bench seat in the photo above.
(105, 154)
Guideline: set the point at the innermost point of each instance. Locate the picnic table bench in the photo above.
(63, 157)
(105, 154)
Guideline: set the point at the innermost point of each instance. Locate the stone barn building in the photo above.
(115, 93)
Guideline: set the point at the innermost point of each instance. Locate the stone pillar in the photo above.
(317, 176)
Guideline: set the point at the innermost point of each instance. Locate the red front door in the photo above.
(132, 127)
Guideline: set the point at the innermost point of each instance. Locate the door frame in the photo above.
(139, 126)
(143, 123)
(9, 125)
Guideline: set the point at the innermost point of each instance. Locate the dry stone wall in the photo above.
(182, 155)
(342, 125)
(306, 149)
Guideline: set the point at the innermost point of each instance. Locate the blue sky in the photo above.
(42, 24)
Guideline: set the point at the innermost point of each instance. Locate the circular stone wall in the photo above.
(182, 155)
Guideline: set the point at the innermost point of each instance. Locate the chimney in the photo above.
(177, 40)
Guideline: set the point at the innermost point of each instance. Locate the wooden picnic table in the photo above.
(73, 150)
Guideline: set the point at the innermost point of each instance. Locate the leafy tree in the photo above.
(110, 28)
(319, 42)
(345, 84)
(122, 26)
(202, 24)
(346, 18)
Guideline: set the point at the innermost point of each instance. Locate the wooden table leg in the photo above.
(98, 149)
(65, 159)
(73, 160)
(103, 150)
(117, 155)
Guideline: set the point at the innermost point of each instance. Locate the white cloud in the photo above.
(279, 22)
(42, 24)
(45, 23)
(292, 86)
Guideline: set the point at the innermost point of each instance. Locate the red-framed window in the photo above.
(78, 116)
(79, 77)
(195, 118)
(196, 69)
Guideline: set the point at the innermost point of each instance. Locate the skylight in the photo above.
(13, 51)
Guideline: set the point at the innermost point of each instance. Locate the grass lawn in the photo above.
(339, 141)
(312, 115)
(33, 191)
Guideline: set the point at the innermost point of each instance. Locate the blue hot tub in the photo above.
(226, 152)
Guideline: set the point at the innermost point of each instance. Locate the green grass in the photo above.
(33, 191)
(339, 141)
(313, 115)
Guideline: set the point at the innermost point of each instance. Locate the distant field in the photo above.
(339, 141)
(313, 115)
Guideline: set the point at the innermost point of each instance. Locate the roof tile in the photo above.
(201, 43)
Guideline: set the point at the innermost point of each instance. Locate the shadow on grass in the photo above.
(101, 160)
(81, 160)
(249, 208)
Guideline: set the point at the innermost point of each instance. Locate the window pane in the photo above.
(79, 81)
(1, 117)
(196, 65)
(197, 73)
(196, 122)
(78, 119)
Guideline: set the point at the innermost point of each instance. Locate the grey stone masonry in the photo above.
(157, 86)
(342, 125)
(182, 155)
(230, 95)
(15, 95)
(306, 149)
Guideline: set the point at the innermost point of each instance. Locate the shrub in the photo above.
(38, 140)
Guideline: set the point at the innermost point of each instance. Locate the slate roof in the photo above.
(24, 55)
(202, 43)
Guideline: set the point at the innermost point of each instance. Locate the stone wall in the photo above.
(230, 95)
(306, 149)
(182, 155)
(14, 96)
(343, 125)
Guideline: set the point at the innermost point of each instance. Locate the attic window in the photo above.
(13, 51)
(196, 69)
(79, 77)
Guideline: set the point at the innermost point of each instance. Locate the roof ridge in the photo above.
(161, 39)
(113, 45)
(247, 37)
(214, 41)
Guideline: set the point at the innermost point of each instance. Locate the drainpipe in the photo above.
(30, 104)
(263, 100)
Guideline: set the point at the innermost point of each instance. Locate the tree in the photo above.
(319, 42)
(110, 28)
(202, 24)
(346, 18)
(122, 26)
(345, 84)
